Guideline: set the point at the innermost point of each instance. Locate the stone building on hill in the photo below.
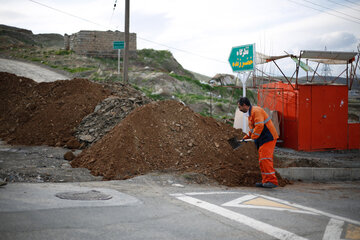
(97, 43)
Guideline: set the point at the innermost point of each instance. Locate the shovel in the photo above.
(234, 143)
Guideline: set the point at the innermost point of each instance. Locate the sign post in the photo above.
(242, 61)
(118, 45)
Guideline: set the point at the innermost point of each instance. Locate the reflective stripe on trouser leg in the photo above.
(266, 152)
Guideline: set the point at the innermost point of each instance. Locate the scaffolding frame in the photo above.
(326, 57)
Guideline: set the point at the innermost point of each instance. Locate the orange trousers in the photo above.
(266, 152)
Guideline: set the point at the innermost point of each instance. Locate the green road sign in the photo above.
(119, 44)
(242, 58)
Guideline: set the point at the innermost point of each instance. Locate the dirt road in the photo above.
(32, 71)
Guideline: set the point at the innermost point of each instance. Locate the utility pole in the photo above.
(126, 52)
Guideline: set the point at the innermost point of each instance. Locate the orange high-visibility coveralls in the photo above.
(263, 131)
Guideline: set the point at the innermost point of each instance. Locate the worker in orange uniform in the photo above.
(264, 134)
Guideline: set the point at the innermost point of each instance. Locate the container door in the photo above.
(329, 117)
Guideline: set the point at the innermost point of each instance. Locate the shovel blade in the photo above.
(234, 143)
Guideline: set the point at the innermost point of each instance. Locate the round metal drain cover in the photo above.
(85, 196)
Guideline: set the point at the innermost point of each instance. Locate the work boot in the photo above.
(269, 185)
(258, 184)
(2, 183)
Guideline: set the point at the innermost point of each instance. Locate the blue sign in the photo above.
(242, 58)
(119, 44)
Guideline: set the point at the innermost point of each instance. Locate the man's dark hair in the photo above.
(244, 100)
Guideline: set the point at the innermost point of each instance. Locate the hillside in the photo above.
(18, 37)
(155, 73)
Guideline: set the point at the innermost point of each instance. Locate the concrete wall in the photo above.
(97, 43)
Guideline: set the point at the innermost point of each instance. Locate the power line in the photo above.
(69, 14)
(345, 6)
(160, 44)
(352, 2)
(114, 5)
(181, 50)
(331, 9)
(112, 14)
(83, 19)
(324, 11)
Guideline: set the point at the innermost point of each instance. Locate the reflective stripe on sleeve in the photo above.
(266, 120)
(268, 173)
(256, 134)
(265, 158)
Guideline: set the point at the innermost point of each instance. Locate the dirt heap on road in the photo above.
(159, 136)
(45, 113)
(167, 135)
(109, 112)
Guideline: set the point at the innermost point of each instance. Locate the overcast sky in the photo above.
(200, 33)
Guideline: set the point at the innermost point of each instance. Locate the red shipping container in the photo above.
(354, 136)
(312, 118)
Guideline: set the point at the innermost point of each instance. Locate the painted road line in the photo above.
(253, 223)
(333, 229)
(256, 202)
(209, 193)
(313, 210)
(239, 200)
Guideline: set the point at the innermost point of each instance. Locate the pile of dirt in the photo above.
(158, 136)
(109, 112)
(167, 135)
(45, 113)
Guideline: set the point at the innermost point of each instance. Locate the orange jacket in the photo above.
(262, 130)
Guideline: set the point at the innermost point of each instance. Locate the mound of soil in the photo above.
(158, 136)
(167, 135)
(109, 112)
(45, 113)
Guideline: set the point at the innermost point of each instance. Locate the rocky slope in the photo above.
(18, 37)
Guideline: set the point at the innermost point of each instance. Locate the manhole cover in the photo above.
(86, 196)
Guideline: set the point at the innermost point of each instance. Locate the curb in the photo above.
(320, 174)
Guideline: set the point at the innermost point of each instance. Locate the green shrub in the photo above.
(193, 81)
(149, 93)
(155, 55)
(109, 61)
(191, 98)
(35, 59)
(63, 52)
(77, 70)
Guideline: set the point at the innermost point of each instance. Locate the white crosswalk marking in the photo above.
(333, 229)
(276, 232)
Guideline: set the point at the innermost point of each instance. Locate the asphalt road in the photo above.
(160, 206)
(29, 70)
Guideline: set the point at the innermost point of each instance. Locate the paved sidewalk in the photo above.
(325, 166)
